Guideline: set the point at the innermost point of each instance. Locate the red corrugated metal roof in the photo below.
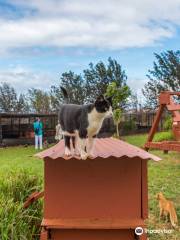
(104, 148)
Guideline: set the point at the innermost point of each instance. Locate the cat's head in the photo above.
(104, 105)
(159, 196)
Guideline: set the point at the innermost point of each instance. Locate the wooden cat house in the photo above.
(102, 198)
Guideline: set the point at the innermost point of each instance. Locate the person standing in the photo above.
(38, 132)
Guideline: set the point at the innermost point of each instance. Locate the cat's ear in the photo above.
(100, 98)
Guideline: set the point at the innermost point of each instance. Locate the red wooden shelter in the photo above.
(102, 198)
(166, 101)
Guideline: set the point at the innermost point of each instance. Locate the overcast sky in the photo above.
(40, 39)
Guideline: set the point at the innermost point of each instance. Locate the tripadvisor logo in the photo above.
(139, 231)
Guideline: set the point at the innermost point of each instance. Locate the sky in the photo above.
(40, 39)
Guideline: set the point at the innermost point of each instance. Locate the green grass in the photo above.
(18, 223)
(20, 158)
(21, 173)
(162, 176)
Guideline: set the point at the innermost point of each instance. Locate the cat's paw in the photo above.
(84, 156)
(90, 156)
(76, 153)
(67, 152)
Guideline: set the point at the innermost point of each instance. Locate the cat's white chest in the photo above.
(95, 120)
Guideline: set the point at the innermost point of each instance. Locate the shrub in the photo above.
(163, 136)
(167, 123)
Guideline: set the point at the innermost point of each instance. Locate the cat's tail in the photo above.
(65, 94)
(173, 215)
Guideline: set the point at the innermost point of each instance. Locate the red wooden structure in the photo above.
(102, 198)
(166, 101)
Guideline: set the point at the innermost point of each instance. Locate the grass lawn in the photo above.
(162, 176)
(21, 173)
(20, 157)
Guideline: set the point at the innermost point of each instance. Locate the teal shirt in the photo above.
(38, 125)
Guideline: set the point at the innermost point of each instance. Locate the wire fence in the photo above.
(20, 126)
(139, 122)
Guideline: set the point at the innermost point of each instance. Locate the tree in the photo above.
(22, 105)
(117, 114)
(10, 101)
(133, 102)
(39, 101)
(74, 85)
(164, 76)
(8, 98)
(98, 77)
(56, 97)
(119, 94)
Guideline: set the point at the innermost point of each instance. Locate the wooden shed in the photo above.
(102, 198)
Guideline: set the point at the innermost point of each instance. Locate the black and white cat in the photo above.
(82, 123)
